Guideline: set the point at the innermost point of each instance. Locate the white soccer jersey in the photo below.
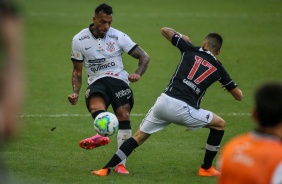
(102, 56)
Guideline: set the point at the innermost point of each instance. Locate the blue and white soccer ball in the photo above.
(106, 124)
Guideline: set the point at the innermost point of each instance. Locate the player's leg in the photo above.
(123, 152)
(124, 132)
(121, 98)
(96, 102)
(216, 127)
(152, 123)
(199, 118)
(96, 106)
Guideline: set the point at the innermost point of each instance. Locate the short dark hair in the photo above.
(214, 41)
(107, 9)
(268, 104)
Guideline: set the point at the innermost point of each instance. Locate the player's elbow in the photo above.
(237, 94)
(239, 98)
(163, 30)
(147, 57)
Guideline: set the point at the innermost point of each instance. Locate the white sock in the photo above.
(122, 136)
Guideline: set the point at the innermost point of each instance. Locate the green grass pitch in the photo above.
(251, 53)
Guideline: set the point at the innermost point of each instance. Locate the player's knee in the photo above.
(219, 124)
(93, 107)
(96, 103)
(222, 124)
(95, 113)
(122, 114)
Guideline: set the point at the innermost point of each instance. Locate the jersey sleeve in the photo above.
(76, 54)
(126, 43)
(225, 79)
(181, 44)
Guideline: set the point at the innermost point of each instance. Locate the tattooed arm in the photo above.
(144, 58)
(76, 82)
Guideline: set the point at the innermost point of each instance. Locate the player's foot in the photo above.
(93, 142)
(101, 172)
(120, 168)
(208, 172)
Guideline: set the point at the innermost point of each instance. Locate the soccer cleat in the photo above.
(94, 142)
(208, 172)
(120, 168)
(101, 172)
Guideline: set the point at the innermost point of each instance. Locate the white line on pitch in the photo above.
(134, 114)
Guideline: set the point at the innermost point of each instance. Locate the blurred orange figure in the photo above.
(256, 157)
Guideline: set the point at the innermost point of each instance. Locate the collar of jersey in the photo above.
(92, 33)
(257, 134)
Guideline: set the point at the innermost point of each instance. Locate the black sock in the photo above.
(96, 113)
(124, 125)
(123, 152)
(212, 147)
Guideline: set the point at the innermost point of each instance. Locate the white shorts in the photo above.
(168, 110)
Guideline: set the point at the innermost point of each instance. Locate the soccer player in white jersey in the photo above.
(99, 48)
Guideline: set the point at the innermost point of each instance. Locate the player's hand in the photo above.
(73, 98)
(134, 77)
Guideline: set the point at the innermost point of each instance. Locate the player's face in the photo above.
(102, 23)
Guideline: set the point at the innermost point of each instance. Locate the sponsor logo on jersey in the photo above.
(114, 37)
(111, 46)
(123, 93)
(84, 37)
(99, 67)
(97, 60)
(100, 49)
(192, 85)
(111, 73)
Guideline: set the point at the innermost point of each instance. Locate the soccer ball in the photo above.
(106, 124)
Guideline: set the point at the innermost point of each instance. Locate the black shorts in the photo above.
(115, 92)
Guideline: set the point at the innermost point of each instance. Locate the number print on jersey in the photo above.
(209, 71)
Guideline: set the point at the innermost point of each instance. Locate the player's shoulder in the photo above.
(207, 53)
(235, 141)
(113, 33)
(82, 35)
(240, 138)
(259, 140)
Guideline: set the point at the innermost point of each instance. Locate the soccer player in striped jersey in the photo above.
(180, 102)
